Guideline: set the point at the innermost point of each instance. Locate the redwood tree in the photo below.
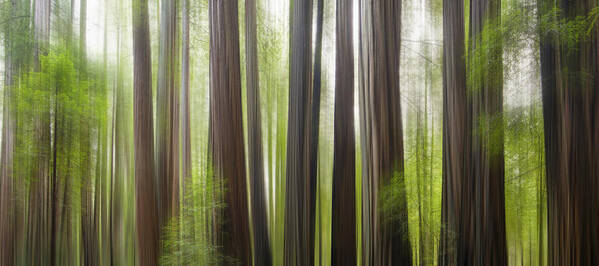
(344, 169)
(299, 202)
(147, 223)
(167, 115)
(226, 129)
(455, 217)
(570, 93)
(385, 233)
(262, 255)
(473, 205)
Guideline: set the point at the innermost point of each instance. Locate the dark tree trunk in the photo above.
(167, 131)
(299, 202)
(315, 124)
(148, 228)
(455, 217)
(262, 255)
(489, 245)
(473, 205)
(570, 91)
(7, 146)
(385, 225)
(344, 168)
(227, 128)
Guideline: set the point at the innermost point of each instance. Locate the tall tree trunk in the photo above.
(262, 255)
(227, 127)
(570, 93)
(120, 161)
(88, 245)
(299, 202)
(167, 131)
(487, 163)
(7, 146)
(185, 122)
(148, 228)
(473, 205)
(455, 218)
(385, 227)
(344, 168)
(37, 239)
(315, 124)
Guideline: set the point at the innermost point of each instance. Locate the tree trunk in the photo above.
(121, 162)
(344, 168)
(486, 104)
(262, 255)
(7, 200)
(299, 202)
(185, 124)
(148, 228)
(88, 245)
(227, 128)
(385, 224)
(37, 234)
(167, 132)
(473, 205)
(315, 124)
(570, 93)
(456, 143)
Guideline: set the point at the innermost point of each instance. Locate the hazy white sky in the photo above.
(95, 26)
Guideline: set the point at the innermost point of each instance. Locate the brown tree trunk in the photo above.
(299, 202)
(456, 143)
(227, 128)
(37, 234)
(344, 168)
(473, 205)
(570, 91)
(486, 106)
(167, 132)
(315, 125)
(147, 223)
(385, 226)
(7, 200)
(262, 255)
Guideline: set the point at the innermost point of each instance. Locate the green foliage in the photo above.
(569, 31)
(187, 238)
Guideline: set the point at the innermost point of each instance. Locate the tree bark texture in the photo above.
(344, 168)
(37, 228)
(7, 146)
(570, 92)
(385, 222)
(262, 251)
(167, 115)
(148, 227)
(227, 128)
(473, 205)
(299, 202)
(486, 107)
(315, 123)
